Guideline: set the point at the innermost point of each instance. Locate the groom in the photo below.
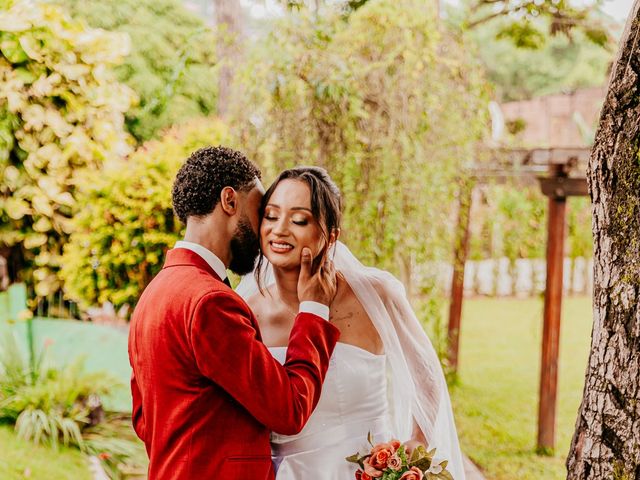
(206, 391)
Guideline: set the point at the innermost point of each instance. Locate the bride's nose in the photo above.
(280, 227)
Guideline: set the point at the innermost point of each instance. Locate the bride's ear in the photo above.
(333, 238)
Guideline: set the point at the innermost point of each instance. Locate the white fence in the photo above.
(500, 277)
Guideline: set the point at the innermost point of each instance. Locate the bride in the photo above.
(384, 376)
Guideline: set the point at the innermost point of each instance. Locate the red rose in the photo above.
(359, 474)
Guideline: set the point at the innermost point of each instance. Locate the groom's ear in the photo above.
(229, 200)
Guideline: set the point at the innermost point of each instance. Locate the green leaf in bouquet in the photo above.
(353, 458)
(421, 458)
(444, 475)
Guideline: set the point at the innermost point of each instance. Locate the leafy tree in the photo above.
(527, 23)
(172, 62)
(61, 111)
(558, 64)
(125, 221)
(389, 104)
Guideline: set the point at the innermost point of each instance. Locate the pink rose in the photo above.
(413, 474)
(370, 470)
(395, 462)
(395, 444)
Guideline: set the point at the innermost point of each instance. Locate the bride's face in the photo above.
(288, 225)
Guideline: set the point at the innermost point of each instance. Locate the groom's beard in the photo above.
(245, 247)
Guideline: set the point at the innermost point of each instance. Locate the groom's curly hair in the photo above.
(200, 180)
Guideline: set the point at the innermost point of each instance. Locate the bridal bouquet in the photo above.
(393, 461)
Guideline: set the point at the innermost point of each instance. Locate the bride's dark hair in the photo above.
(326, 206)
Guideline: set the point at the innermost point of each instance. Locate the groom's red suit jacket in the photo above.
(206, 391)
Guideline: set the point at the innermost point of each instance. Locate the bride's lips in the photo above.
(280, 247)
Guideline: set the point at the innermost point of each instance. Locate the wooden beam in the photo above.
(551, 326)
(461, 253)
(562, 187)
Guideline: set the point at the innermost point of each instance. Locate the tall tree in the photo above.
(606, 441)
(228, 15)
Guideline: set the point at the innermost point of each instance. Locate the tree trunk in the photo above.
(228, 15)
(606, 443)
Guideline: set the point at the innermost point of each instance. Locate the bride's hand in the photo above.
(412, 444)
(317, 286)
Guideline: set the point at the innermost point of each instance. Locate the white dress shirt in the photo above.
(218, 266)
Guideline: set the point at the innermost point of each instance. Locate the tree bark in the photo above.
(606, 443)
(229, 21)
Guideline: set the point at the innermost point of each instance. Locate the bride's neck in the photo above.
(287, 285)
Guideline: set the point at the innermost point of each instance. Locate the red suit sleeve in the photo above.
(137, 417)
(227, 351)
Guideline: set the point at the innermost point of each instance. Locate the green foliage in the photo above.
(511, 222)
(579, 236)
(53, 405)
(171, 66)
(125, 222)
(527, 23)
(60, 112)
(378, 99)
(559, 64)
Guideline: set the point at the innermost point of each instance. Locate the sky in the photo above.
(618, 9)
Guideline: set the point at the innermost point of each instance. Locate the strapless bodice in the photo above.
(354, 392)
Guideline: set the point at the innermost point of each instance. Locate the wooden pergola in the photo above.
(561, 173)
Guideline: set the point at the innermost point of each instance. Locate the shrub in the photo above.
(172, 62)
(125, 221)
(60, 111)
(49, 405)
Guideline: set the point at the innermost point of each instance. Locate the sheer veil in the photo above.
(417, 387)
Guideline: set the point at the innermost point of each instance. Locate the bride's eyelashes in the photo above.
(301, 221)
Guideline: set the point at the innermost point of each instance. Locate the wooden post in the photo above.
(457, 282)
(552, 310)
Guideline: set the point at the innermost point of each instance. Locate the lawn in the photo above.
(21, 460)
(495, 400)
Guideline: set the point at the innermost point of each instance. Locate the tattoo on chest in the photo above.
(341, 317)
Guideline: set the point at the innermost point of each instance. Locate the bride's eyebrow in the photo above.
(272, 205)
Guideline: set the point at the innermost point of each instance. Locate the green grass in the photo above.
(496, 397)
(23, 460)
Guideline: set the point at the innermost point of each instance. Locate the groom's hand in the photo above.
(317, 286)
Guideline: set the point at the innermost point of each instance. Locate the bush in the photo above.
(172, 62)
(60, 112)
(49, 405)
(125, 222)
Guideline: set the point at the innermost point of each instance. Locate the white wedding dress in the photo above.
(387, 395)
(353, 403)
